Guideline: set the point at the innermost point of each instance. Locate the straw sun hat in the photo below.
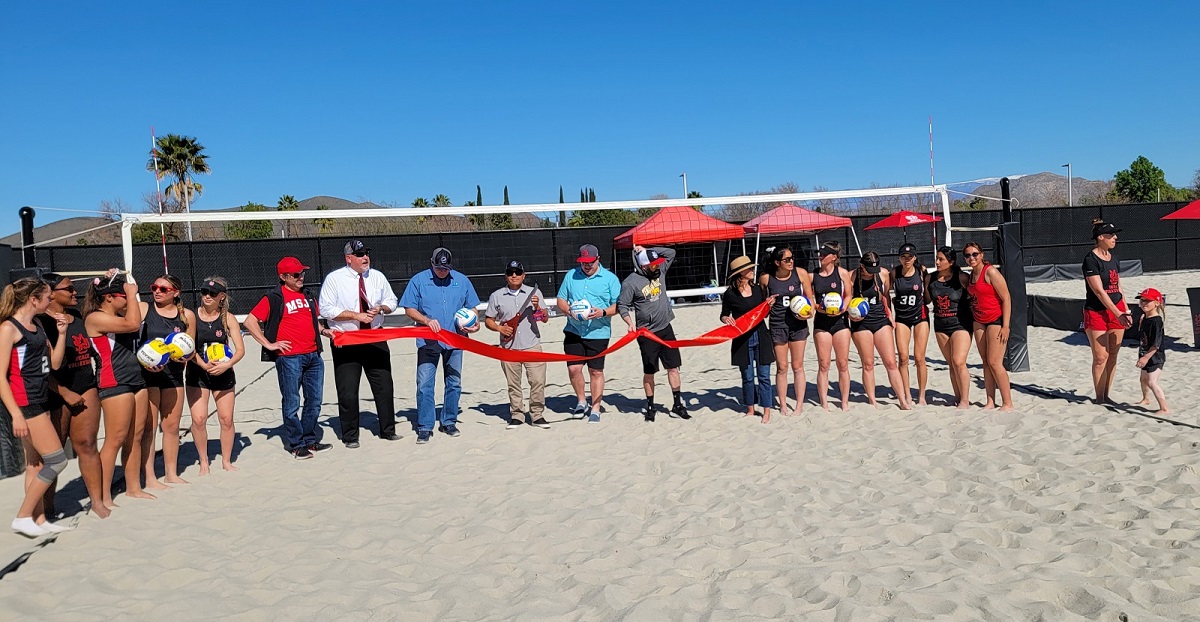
(739, 264)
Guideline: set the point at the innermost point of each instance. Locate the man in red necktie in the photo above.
(356, 297)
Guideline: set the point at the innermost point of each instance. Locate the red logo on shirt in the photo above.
(1114, 285)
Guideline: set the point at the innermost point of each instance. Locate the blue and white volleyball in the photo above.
(581, 309)
(800, 306)
(216, 352)
(153, 353)
(831, 304)
(465, 319)
(859, 307)
(180, 345)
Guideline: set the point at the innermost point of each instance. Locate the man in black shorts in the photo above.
(645, 294)
(593, 290)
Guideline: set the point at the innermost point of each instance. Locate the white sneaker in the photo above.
(53, 528)
(28, 527)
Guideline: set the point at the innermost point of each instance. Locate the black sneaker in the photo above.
(514, 423)
(541, 422)
(319, 447)
(352, 445)
(648, 413)
(423, 436)
(391, 437)
(449, 430)
(679, 411)
(301, 453)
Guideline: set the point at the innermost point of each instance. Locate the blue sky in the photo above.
(391, 101)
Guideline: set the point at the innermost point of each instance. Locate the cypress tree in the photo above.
(591, 195)
(506, 195)
(560, 195)
(478, 195)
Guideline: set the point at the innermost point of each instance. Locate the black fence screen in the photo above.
(1049, 236)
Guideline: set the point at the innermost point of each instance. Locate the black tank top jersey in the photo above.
(869, 290)
(29, 367)
(78, 371)
(830, 284)
(781, 314)
(910, 297)
(206, 333)
(950, 308)
(155, 326)
(116, 360)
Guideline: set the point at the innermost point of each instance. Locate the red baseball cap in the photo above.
(588, 253)
(1151, 294)
(290, 264)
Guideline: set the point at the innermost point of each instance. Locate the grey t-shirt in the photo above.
(504, 304)
(647, 295)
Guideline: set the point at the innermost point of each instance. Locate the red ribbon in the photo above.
(718, 335)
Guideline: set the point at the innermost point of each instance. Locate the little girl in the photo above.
(1150, 348)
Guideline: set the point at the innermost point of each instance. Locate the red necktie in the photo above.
(363, 304)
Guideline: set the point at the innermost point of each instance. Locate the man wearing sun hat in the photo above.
(285, 323)
(431, 299)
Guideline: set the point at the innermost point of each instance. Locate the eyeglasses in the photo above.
(161, 289)
(973, 255)
(361, 254)
(513, 272)
(69, 288)
(294, 275)
(209, 292)
(788, 258)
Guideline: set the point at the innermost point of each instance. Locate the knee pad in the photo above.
(52, 464)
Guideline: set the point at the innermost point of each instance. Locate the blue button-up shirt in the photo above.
(600, 290)
(439, 299)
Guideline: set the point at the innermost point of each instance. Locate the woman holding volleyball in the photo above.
(165, 316)
(789, 330)
(872, 332)
(831, 286)
(210, 373)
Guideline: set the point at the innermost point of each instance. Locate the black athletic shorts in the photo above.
(872, 326)
(120, 389)
(830, 324)
(196, 377)
(1151, 367)
(30, 411)
(996, 322)
(171, 377)
(653, 352)
(785, 334)
(948, 326)
(578, 346)
(910, 322)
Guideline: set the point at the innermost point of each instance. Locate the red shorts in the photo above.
(1103, 320)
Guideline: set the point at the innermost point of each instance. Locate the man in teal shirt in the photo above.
(588, 337)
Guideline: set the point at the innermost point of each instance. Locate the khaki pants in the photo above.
(537, 387)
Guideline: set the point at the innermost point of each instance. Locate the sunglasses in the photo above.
(69, 288)
(973, 255)
(361, 254)
(117, 295)
(209, 292)
(161, 289)
(513, 272)
(788, 258)
(294, 275)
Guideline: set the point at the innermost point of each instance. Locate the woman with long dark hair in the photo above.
(752, 352)
(952, 320)
(112, 318)
(873, 333)
(164, 315)
(789, 332)
(910, 280)
(991, 308)
(74, 397)
(830, 329)
(26, 356)
(215, 378)
(1105, 314)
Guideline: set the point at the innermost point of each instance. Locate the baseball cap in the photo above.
(1151, 294)
(1104, 228)
(516, 266)
(649, 258)
(588, 253)
(871, 265)
(355, 246)
(442, 258)
(907, 249)
(213, 286)
(290, 264)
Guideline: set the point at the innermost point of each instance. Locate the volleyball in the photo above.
(858, 309)
(581, 309)
(216, 352)
(800, 306)
(180, 345)
(465, 318)
(832, 303)
(154, 353)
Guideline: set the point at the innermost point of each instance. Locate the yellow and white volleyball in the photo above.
(800, 306)
(581, 309)
(180, 345)
(216, 352)
(859, 307)
(831, 304)
(465, 318)
(154, 353)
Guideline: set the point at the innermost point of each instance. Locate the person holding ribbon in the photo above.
(514, 311)
(644, 292)
(355, 297)
(588, 336)
(431, 299)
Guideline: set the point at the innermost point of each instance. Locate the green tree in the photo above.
(692, 194)
(420, 202)
(591, 195)
(603, 217)
(478, 195)
(249, 229)
(1143, 182)
(179, 157)
(506, 195)
(324, 225)
(442, 200)
(288, 203)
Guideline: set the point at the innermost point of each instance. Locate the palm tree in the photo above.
(441, 200)
(180, 157)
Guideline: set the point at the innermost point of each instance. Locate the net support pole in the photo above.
(716, 270)
(127, 243)
(856, 244)
(945, 217)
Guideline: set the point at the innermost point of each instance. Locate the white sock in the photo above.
(28, 527)
(53, 528)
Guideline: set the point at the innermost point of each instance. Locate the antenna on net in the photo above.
(162, 228)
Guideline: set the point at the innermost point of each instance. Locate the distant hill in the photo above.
(1048, 190)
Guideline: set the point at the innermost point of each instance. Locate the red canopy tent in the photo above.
(1191, 211)
(680, 225)
(788, 218)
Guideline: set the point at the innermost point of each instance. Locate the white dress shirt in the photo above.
(339, 293)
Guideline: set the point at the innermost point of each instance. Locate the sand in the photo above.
(1063, 510)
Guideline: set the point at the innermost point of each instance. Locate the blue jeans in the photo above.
(764, 380)
(427, 362)
(300, 372)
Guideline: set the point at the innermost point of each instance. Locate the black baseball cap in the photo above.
(442, 258)
(355, 246)
(870, 265)
(907, 249)
(1104, 228)
(514, 266)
